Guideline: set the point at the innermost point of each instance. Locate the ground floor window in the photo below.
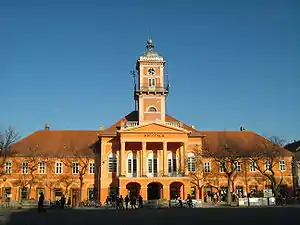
(91, 193)
(57, 194)
(6, 194)
(23, 194)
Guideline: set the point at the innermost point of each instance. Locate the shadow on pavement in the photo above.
(153, 216)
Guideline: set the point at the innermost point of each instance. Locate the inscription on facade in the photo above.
(154, 135)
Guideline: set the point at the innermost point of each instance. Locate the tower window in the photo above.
(152, 109)
(151, 82)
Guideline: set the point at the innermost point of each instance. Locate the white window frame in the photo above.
(24, 167)
(207, 167)
(223, 166)
(92, 167)
(191, 162)
(75, 167)
(282, 165)
(152, 156)
(268, 165)
(130, 158)
(151, 82)
(150, 107)
(238, 166)
(58, 167)
(112, 161)
(42, 168)
(252, 166)
(172, 162)
(8, 167)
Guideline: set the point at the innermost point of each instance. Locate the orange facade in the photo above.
(147, 152)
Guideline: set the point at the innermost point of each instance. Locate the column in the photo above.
(182, 158)
(165, 158)
(122, 159)
(143, 159)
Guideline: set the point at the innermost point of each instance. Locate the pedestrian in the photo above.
(62, 202)
(126, 202)
(41, 203)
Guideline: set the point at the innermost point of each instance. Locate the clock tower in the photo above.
(151, 89)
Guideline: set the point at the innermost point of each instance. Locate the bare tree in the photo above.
(229, 159)
(7, 138)
(277, 140)
(78, 163)
(67, 180)
(266, 160)
(29, 165)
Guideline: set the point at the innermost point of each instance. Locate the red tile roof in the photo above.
(56, 142)
(243, 142)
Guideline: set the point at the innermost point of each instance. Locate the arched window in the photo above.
(172, 163)
(152, 165)
(152, 109)
(112, 163)
(132, 164)
(191, 161)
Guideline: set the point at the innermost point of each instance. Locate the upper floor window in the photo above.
(152, 164)
(222, 166)
(8, 167)
(112, 163)
(91, 167)
(151, 82)
(252, 166)
(268, 165)
(172, 163)
(191, 162)
(282, 165)
(207, 167)
(237, 166)
(132, 164)
(75, 167)
(42, 167)
(58, 167)
(24, 167)
(152, 109)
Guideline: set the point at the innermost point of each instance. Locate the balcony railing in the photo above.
(130, 124)
(153, 89)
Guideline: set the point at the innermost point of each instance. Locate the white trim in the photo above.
(132, 155)
(62, 167)
(113, 155)
(152, 106)
(152, 156)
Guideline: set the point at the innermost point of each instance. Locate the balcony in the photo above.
(153, 89)
(130, 124)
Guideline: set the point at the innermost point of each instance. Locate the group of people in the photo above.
(62, 202)
(118, 201)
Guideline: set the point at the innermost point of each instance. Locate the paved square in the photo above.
(218, 216)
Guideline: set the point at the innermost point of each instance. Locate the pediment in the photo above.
(156, 127)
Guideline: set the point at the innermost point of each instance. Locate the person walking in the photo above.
(41, 203)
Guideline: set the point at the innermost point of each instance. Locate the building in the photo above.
(294, 147)
(147, 152)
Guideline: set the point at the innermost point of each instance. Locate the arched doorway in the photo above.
(176, 190)
(154, 191)
(133, 189)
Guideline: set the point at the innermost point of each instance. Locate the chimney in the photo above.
(102, 127)
(47, 126)
(193, 126)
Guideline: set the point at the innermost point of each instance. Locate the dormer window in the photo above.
(152, 109)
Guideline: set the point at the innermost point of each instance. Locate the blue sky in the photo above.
(230, 63)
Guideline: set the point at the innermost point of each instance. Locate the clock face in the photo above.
(151, 71)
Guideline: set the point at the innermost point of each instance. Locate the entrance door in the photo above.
(154, 191)
(75, 196)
